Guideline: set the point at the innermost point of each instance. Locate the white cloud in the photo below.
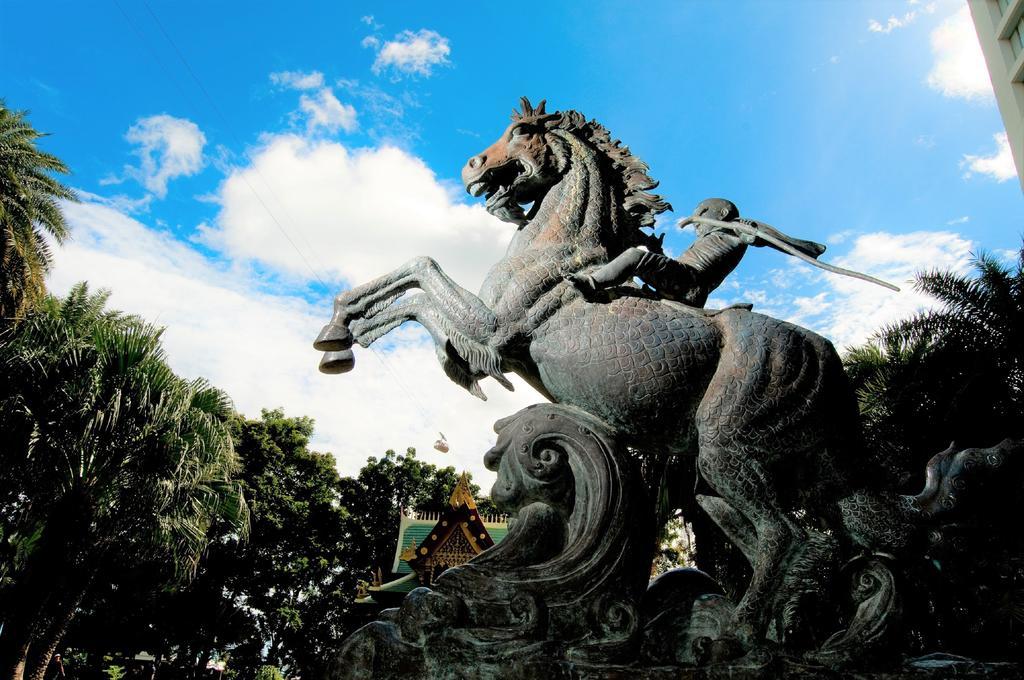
(257, 345)
(323, 110)
(357, 213)
(298, 80)
(167, 147)
(848, 311)
(378, 102)
(894, 22)
(839, 237)
(959, 220)
(1007, 255)
(411, 53)
(959, 69)
(120, 202)
(999, 165)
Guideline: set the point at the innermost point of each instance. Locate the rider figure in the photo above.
(698, 271)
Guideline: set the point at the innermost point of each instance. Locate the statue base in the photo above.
(931, 667)
(566, 593)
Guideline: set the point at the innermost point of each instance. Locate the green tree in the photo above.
(106, 452)
(951, 373)
(675, 547)
(29, 208)
(273, 600)
(292, 577)
(284, 597)
(269, 673)
(114, 672)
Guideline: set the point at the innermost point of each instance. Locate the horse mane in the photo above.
(639, 204)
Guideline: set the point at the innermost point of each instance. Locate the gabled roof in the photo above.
(430, 542)
(457, 536)
(461, 524)
(420, 536)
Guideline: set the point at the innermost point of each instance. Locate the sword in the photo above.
(766, 235)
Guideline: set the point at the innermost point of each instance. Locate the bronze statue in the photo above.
(762, 404)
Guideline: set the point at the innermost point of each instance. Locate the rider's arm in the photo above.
(667, 276)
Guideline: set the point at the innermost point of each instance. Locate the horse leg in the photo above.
(740, 481)
(370, 328)
(463, 310)
(736, 527)
(418, 308)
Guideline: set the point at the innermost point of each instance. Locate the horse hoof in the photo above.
(333, 338)
(337, 362)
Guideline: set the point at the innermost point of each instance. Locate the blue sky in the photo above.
(241, 162)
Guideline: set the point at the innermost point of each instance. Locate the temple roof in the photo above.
(461, 524)
(462, 494)
(430, 542)
(428, 530)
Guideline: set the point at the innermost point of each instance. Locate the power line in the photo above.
(230, 130)
(387, 366)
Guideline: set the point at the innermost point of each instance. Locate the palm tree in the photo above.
(29, 210)
(105, 452)
(955, 372)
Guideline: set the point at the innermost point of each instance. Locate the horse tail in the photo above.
(963, 488)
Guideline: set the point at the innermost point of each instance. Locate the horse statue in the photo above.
(759, 401)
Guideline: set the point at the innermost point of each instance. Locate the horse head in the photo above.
(539, 149)
(520, 167)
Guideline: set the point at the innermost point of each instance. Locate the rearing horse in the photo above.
(753, 397)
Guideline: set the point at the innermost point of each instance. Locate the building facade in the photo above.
(1000, 26)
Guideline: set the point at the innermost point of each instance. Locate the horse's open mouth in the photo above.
(499, 184)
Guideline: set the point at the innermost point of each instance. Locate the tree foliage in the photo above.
(285, 597)
(269, 673)
(289, 581)
(106, 452)
(29, 212)
(955, 372)
(262, 601)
